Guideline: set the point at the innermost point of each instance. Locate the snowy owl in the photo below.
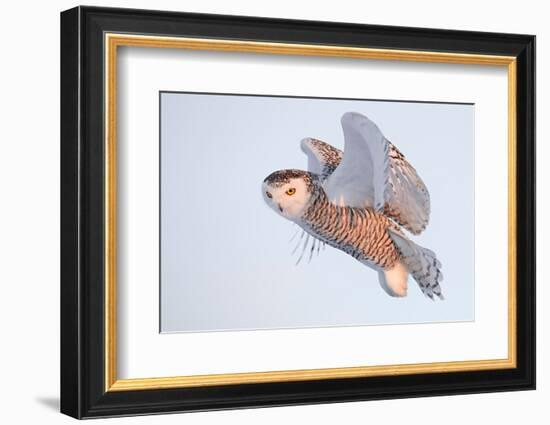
(358, 201)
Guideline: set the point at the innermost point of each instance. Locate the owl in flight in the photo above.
(359, 201)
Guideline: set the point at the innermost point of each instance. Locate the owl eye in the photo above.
(269, 195)
(291, 191)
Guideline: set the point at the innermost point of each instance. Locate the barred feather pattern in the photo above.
(372, 238)
(405, 200)
(359, 232)
(421, 263)
(406, 195)
(328, 157)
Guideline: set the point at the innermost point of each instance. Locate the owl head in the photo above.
(289, 192)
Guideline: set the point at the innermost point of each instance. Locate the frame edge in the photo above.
(81, 399)
(70, 348)
(526, 204)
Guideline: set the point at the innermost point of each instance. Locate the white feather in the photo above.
(421, 263)
(373, 173)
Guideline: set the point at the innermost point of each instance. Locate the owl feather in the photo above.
(358, 201)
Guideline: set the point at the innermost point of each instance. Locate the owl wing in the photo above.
(408, 200)
(373, 173)
(322, 158)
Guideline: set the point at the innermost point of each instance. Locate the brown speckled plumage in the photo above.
(282, 177)
(328, 156)
(359, 202)
(360, 232)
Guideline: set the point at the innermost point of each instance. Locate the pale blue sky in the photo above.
(226, 260)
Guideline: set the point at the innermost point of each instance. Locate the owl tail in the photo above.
(421, 263)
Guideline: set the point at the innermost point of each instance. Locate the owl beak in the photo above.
(280, 208)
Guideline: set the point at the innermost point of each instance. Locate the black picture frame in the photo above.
(83, 392)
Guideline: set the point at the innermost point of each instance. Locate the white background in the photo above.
(29, 172)
(140, 344)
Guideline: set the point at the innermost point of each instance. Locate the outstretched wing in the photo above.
(373, 173)
(360, 179)
(322, 158)
(408, 199)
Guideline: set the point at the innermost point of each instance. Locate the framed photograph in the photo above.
(260, 212)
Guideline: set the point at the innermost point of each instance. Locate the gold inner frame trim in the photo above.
(113, 41)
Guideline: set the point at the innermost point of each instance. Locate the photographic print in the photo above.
(292, 212)
(259, 212)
